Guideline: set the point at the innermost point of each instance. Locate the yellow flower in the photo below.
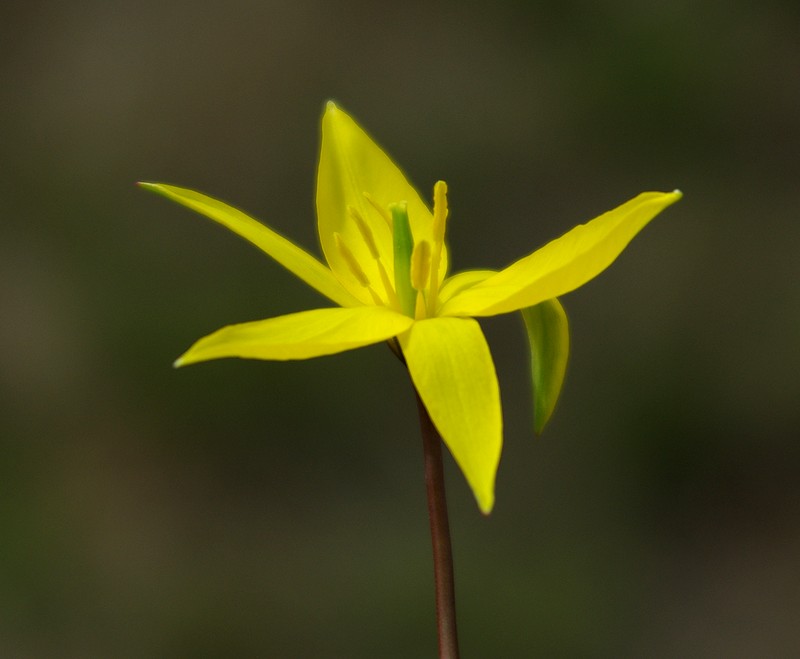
(388, 272)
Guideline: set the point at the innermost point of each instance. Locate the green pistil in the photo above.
(403, 247)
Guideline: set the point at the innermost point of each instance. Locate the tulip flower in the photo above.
(387, 270)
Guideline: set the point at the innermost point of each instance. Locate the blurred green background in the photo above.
(252, 509)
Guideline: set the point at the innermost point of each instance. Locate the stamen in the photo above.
(369, 241)
(365, 231)
(394, 301)
(420, 265)
(352, 264)
(403, 246)
(439, 211)
(381, 210)
(439, 225)
(375, 297)
(420, 311)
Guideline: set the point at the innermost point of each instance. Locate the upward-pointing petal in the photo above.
(563, 264)
(290, 256)
(350, 165)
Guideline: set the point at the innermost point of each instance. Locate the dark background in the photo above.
(244, 509)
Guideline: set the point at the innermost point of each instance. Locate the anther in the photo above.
(420, 265)
(381, 210)
(394, 301)
(365, 231)
(369, 241)
(439, 211)
(439, 225)
(352, 264)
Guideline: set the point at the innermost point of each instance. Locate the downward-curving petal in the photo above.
(453, 371)
(350, 165)
(300, 335)
(563, 264)
(290, 256)
(548, 335)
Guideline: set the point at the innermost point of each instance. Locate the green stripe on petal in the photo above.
(563, 264)
(453, 371)
(548, 335)
(290, 256)
(300, 335)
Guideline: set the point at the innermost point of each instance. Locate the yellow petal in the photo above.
(350, 165)
(300, 335)
(462, 281)
(453, 371)
(563, 264)
(290, 256)
(548, 335)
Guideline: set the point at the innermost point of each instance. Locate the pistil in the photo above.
(403, 247)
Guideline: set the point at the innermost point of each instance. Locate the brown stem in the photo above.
(440, 537)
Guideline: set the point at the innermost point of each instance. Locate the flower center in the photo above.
(415, 289)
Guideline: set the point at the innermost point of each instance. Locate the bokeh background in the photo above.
(249, 509)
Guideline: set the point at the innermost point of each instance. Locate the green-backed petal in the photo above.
(351, 164)
(300, 335)
(563, 264)
(290, 256)
(453, 371)
(548, 335)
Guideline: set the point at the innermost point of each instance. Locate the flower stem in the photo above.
(440, 537)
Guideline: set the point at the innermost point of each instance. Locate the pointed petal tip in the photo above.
(486, 506)
(332, 114)
(152, 187)
(180, 361)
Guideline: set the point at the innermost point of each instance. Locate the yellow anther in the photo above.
(352, 264)
(383, 212)
(369, 241)
(365, 231)
(420, 265)
(394, 301)
(440, 213)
